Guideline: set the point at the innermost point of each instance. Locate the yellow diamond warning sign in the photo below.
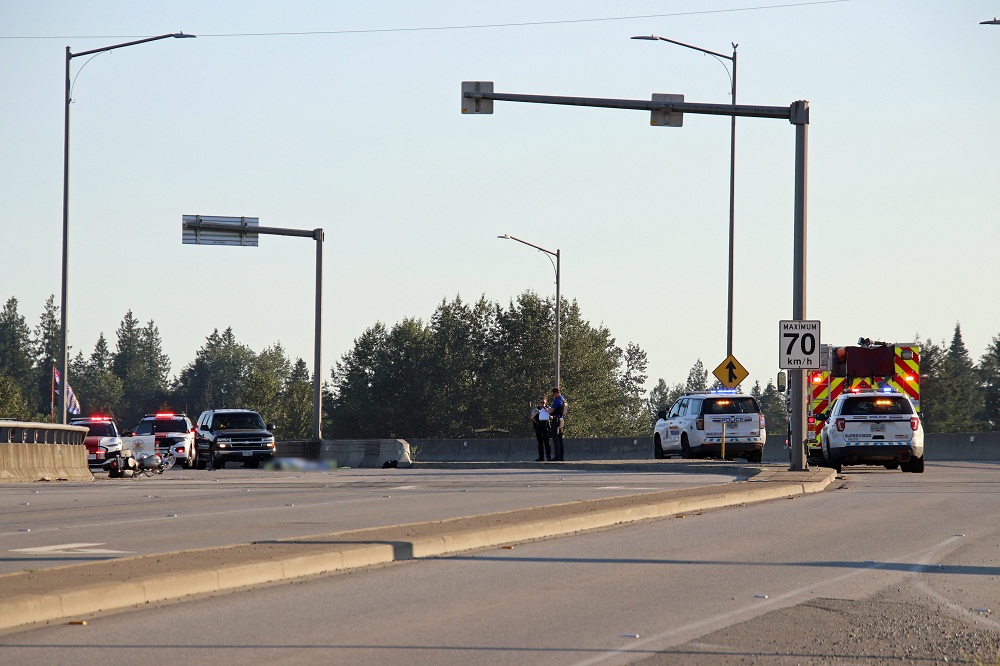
(730, 373)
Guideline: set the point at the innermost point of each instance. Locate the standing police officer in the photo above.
(557, 412)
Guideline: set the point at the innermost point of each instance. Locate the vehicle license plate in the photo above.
(247, 454)
(91, 456)
(878, 427)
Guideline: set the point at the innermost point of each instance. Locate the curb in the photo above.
(62, 592)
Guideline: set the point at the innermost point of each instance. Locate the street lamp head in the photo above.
(647, 37)
(505, 237)
(181, 35)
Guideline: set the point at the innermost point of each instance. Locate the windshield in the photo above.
(101, 429)
(240, 421)
(876, 404)
(161, 425)
(743, 405)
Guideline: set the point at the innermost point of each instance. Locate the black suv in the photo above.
(233, 434)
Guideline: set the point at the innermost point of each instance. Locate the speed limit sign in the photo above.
(798, 344)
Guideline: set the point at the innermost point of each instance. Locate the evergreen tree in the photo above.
(143, 368)
(933, 388)
(354, 405)
(457, 366)
(16, 353)
(483, 368)
(989, 377)
(13, 406)
(697, 378)
(48, 352)
(95, 383)
(217, 377)
(951, 395)
(964, 399)
(633, 380)
(296, 403)
(773, 406)
(264, 389)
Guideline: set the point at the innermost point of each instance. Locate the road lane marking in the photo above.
(70, 549)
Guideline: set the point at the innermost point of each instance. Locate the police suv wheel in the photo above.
(685, 447)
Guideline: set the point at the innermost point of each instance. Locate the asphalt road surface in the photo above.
(54, 524)
(886, 567)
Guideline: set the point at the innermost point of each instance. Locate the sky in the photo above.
(346, 116)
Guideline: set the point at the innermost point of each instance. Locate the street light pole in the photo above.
(64, 354)
(732, 177)
(555, 254)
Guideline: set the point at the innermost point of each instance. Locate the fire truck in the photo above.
(870, 365)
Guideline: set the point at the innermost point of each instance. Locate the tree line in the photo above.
(471, 369)
(133, 379)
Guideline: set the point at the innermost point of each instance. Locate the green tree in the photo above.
(989, 377)
(522, 348)
(697, 378)
(217, 376)
(483, 367)
(458, 366)
(16, 353)
(96, 385)
(142, 367)
(774, 408)
(932, 387)
(296, 403)
(265, 385)
(13, 406)
(354, 410)
(951, 394)
(632, 383)
(48, 351)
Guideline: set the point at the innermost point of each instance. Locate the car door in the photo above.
(675, 423)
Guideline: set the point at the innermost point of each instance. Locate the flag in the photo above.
(72, 404)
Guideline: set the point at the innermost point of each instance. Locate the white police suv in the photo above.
(873, 428)
(711, 423)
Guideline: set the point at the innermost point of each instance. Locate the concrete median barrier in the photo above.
(365, 453)
(374, 453)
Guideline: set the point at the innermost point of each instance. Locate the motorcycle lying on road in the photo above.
(127, 465)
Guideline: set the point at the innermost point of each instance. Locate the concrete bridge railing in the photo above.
(42, 452)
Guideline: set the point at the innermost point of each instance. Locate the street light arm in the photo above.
(654, 38)
(542, 249)
(176, 35)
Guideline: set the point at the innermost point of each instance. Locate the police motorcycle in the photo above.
(128, 465)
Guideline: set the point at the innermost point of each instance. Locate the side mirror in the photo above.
(129, 433)
(269, 427)
(782, 382)
(662, 414)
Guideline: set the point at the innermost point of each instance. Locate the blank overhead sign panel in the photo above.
(242, 234)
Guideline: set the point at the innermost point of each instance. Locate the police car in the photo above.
(166, 434)
(102, 440)
(700, 424)
(873, 428)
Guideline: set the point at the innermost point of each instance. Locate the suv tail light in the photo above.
(841, 424)
(914, 423)
(699, 423)
(762, 426)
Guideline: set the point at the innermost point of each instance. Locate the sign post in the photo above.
(798, 351)
(243, 231)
